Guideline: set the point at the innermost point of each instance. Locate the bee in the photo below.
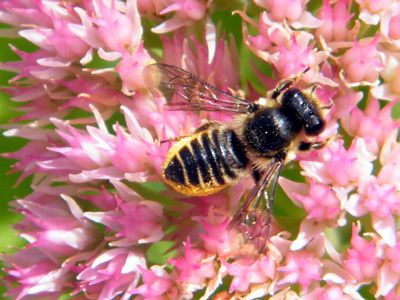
(262, 137)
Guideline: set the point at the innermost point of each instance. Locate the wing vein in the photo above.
(185, 91)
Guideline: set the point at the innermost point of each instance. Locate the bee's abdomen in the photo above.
(205, 162)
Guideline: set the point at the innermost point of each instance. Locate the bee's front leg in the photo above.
(305, 146)
(286, 83)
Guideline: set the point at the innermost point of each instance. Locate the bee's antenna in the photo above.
(306, 70)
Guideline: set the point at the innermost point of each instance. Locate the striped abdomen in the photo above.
(206, 162)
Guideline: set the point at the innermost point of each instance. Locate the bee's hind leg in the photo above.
(174, 139)
(207, 125)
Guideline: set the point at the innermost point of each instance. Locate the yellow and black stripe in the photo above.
(205, 162)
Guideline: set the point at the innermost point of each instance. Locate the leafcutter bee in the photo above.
(262, 137)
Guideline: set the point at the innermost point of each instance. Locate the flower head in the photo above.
(360, 260)
(359, 60)
(156, 284)
(245, 272)
(302, 268)
(335, 21)
(194, 267)
(185, 13)
(389, 272)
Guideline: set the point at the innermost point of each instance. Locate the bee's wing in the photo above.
(185, 91)
(253, 218)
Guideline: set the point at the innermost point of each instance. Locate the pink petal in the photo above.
(387, 280)
(308, 230)
(386, 228)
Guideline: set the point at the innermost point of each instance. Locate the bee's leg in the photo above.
(310, 92)
(253, 218)
(256, 175)
(286, 83)
(237, 93)
(207, 125)
(174, 139)
(310, 89)
(283, 85)
(305, 146)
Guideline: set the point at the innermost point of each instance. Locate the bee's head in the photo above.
(305, 110)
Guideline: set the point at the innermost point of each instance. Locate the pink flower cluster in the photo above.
(94, 218)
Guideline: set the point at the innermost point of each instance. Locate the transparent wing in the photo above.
(185, 91)
(253, 219)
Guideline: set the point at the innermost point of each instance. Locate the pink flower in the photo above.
(143, 228)
(389, 174)
(27, 156)
(382, 201)
(328, 293)
(291, 10)
(338, 166)
(41, 221)
(394, 24)
(53, 32)
(113, 272)
(389, 273)
(375, 125)
(378, 195)
(174, 48)
(156, 284)
(36, 274)
(133, 63)
(301, 267)
(389, 20)
(217, 238)
(335, 21)
(193, 268)
(362, 63)
(246, 271)
(361, 258)
(60, 40)
(373, 6)
(269, 33)
(86, 90)
(145, 115)
(371, 11)
(18, 13)
(390, 89)
(393, 295)
(214, 60)
(321, 204)
(344, 103)
(117, 29)
(289, 52)
(294, 58)
(185, 11)
(150, 7)
(91, 154)
(55, 229)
